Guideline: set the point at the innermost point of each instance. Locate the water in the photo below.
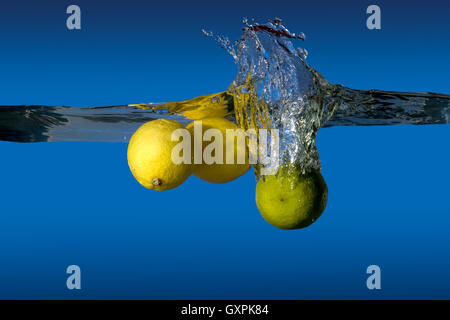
(274, 88)
(77, 203)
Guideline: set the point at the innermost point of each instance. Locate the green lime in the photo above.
(291, 200)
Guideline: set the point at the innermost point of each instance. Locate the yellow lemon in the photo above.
(218, 169)
(150, 156)
(290, 200)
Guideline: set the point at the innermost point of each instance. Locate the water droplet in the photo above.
(207, 33)
(302, 52)
(277, 21)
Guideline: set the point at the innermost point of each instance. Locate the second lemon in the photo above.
(220, 172)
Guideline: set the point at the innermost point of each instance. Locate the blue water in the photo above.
(77, 203)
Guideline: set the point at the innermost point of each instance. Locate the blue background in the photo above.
(77, 203)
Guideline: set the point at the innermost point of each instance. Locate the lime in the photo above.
(291, 200)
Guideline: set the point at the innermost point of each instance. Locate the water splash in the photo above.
(274, 81)
(274, 87)
(283, 86)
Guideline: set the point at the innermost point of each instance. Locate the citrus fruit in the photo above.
(290, 200)
(217, 172)
(150, 156)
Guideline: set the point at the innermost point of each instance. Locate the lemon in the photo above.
(290, 200)
(220, 172)
(150, 156)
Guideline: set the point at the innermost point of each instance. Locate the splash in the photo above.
(274, 88)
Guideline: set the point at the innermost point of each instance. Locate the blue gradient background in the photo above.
(77, 203)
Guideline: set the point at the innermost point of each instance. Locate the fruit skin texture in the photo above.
(219, 173)
(290, 200)
(150, 156)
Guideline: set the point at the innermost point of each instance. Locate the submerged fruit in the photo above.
(290, 200)
(150, 156)
(220, 172)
